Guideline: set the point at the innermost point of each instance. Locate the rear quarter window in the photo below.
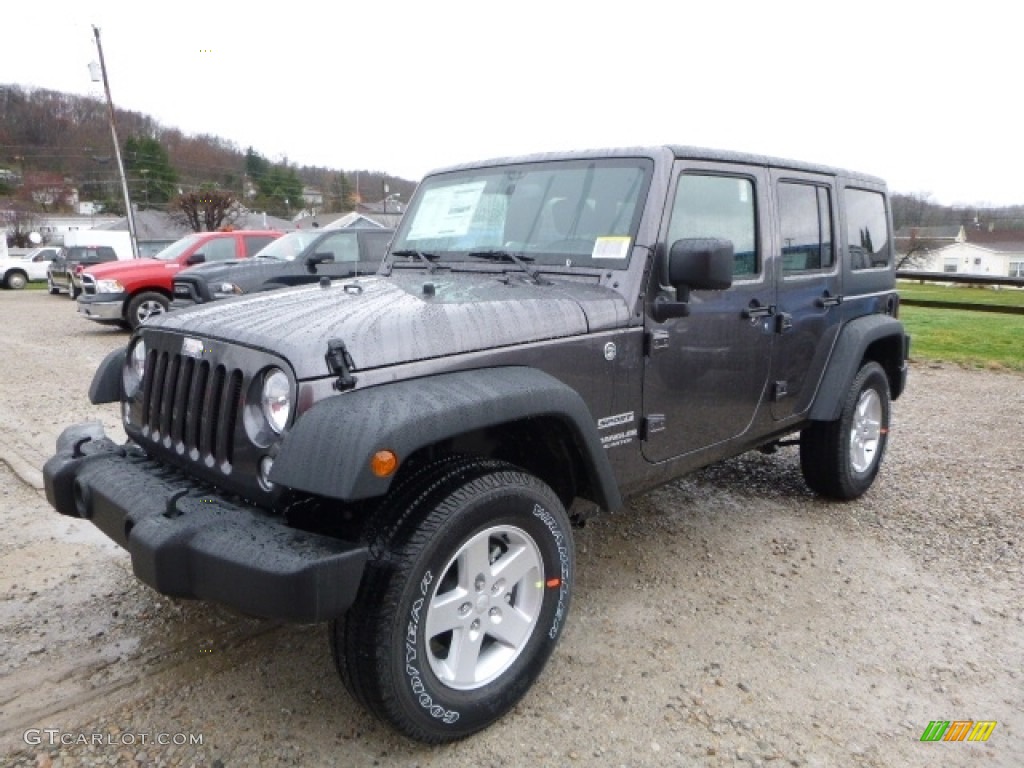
(255, 243)
(867, 230)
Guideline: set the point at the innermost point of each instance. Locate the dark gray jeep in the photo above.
(401, 454)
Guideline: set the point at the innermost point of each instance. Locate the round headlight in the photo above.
(134, 368)
(276, 399)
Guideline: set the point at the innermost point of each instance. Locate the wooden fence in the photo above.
(952, 277)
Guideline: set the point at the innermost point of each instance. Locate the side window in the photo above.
(867, 231)
(345, 247)
(722, 207)
(218, 249)
(106, 253)
(375, 245)
(255, 243)
(805, 225)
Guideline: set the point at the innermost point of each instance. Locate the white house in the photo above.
(978, 252)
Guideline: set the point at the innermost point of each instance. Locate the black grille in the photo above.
(88, 285)
(191, 406)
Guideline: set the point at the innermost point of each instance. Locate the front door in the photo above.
(707, 373)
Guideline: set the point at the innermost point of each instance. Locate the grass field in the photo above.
(966, 294)
(976, 339)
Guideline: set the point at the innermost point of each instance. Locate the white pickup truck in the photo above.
(16, 271)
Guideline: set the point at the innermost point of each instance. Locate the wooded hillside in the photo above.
(47, 137)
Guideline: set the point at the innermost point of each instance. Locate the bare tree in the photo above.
(917, 251)
(20, 221)
(208, 209)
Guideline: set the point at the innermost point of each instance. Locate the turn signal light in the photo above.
(384, 463)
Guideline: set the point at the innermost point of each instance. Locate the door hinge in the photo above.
(652, 423)
(655, 340)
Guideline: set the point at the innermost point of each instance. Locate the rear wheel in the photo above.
(144, 306)
(841, 458)
(16, 280)
(463, 602)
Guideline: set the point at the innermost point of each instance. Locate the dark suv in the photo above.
(65, 271)
(402, 454)
(297, 258)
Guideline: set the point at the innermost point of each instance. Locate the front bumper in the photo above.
(187, 541)
(101, 307)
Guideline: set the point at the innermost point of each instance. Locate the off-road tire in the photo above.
(840, 459)
(449, 535)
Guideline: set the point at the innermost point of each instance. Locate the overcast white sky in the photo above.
(924, 94)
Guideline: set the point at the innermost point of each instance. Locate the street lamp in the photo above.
(96, 77)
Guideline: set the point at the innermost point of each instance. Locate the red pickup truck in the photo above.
(127, 293)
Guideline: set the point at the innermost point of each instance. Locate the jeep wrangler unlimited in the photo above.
(401, 454)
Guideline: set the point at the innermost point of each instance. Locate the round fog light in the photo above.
(266, 464)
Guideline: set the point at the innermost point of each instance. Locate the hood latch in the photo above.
(339, 361)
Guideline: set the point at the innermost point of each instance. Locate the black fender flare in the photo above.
(853, 342)
(328, 450)
(106, 382)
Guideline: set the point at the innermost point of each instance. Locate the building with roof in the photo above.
(976, 251)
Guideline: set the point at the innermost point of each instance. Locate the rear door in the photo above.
(706, 373)
(809, 288)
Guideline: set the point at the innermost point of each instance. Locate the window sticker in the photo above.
(447, 211)
(611, 248)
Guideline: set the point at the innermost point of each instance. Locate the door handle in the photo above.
(828, 300)
(756, 310)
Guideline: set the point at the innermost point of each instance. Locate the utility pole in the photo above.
(117, 148)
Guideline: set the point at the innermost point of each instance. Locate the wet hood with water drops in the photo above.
(389, 320)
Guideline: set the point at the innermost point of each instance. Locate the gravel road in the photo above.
(729, 619)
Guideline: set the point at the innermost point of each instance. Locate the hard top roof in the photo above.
(666, 152)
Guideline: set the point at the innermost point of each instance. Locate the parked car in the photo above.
(64, 272)
(297, 258)
(129, 293)
(17, 271)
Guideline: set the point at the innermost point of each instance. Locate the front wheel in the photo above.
(16, 281)
(463, 603)
(144, 306)
(841, 458)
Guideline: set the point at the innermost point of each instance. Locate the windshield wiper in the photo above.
(410, 253)
(496, 254)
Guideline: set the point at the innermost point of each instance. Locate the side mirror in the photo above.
(196, 258)
(318, 258)
(702, 264)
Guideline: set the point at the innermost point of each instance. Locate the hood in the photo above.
(256, 273)
(128, 266)
(403, 318)
(213, 270)
(247, 274)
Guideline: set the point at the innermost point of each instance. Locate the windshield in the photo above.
(288, 247)
(175, 249)
(564, 213)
